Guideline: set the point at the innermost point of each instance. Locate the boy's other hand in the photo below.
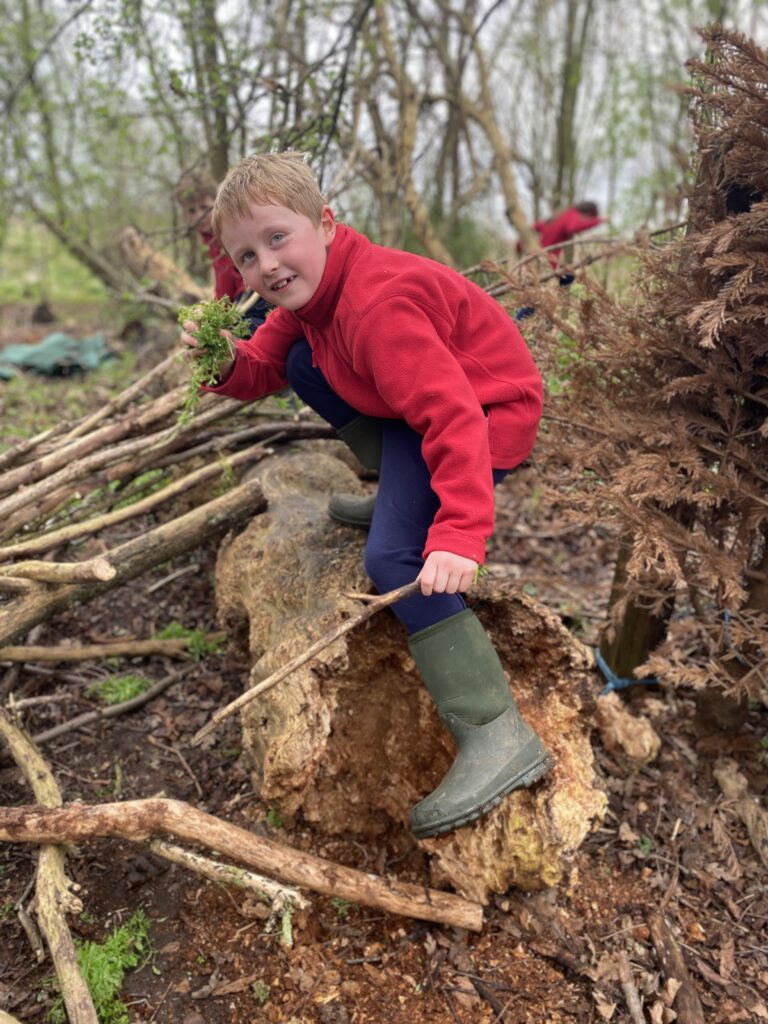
(446, 573)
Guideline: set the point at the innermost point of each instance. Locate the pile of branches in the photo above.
(660, 397)
(132, 457)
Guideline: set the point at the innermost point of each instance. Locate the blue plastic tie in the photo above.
(615, 682)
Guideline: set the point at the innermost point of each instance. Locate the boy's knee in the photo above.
(384, 568)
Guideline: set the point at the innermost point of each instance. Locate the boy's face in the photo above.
(197, 212)
(280, 253)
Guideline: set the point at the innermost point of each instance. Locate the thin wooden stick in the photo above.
(138, 820)
(687, 1002)
(629, 989)
(265, 888)
(374, 605)
(54, 894)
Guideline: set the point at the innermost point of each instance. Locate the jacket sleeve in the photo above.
(260, 360)
(397, 345)
(577, 222)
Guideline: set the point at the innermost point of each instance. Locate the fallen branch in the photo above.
(177, 647)
(62, 572)
(138, 820)
(687, 1002)
(373, 604)
(53, 890)
(6, 1018)
(136, 556)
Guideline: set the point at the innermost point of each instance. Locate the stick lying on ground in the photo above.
(373, 605)
(139, 820)
(54, 889)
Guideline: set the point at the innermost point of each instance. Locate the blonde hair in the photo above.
(278, 179)
(192, 184)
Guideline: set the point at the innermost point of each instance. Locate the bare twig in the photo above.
(372, 606)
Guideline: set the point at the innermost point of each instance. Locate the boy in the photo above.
(426, 377)
(195, 192)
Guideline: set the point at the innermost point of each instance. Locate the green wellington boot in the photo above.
(363, 437)
(496, 751)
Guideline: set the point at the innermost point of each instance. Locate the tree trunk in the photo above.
(352, 738)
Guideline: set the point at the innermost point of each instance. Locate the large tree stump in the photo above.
(352, 739)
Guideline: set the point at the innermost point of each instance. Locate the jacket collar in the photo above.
(321, 308)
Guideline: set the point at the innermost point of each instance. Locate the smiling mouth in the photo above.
(283, 283)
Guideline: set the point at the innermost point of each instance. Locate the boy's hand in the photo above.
(446, 573)
(189, 337)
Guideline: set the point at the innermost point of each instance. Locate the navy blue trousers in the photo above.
(406, 505)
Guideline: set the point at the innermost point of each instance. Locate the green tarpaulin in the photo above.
(57, 353)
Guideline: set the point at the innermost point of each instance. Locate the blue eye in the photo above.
(276, 239)
(246, 257)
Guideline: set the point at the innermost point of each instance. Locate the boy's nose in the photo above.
(268, 262)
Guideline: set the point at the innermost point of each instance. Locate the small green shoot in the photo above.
(645, 846)
(274, 818)
(341, 907)
(104, 966)
(117, 689)
(212, 350)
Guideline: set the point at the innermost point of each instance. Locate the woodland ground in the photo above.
(668, 840)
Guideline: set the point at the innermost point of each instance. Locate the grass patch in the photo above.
(104, 966)
(31, 402)
(35, 265)
(117, 689)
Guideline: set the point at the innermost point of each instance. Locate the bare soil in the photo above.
(669, 841)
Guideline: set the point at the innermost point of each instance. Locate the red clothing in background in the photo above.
(399, 336)
(227, 279)
(562, 228)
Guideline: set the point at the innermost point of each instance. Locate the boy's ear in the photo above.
(327, 225)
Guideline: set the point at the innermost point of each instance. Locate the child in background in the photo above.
(563, 227)
(558, 231)
(426, 377)
(195, 192)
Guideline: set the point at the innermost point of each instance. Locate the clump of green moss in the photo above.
(104, 966)
(212, 350)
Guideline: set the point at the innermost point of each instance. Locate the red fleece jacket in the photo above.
(226, 276)
(562, 228)
(399, 336)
